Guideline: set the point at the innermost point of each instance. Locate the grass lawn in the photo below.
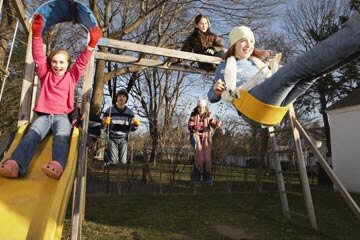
(214, 216)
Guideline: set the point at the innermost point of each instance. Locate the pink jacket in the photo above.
(56, 92)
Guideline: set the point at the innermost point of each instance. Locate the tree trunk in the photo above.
(326, 124)
(327, 133)
(97, 98)
(7, 27)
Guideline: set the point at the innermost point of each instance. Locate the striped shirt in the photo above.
(121, 121)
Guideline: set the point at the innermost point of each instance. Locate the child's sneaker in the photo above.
(9, 169)
(52, 169)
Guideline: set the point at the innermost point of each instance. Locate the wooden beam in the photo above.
(279, 174)
(149, 63)
(322, 161)
(20, 10)
(1, 3)
(25, 109)
(302, 170)
(135, 47)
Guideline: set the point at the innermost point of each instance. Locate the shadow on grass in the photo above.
(198, 216)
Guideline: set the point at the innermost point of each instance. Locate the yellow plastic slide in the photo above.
(33, 207)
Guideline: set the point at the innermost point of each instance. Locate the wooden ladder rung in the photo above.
(297, 214)
(284, 151)
(294, 193)
(289, 172)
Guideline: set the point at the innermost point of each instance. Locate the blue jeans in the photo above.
(192, 141)
(116, 150)
(294, 78)
(61, 128)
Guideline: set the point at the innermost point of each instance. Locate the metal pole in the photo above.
(12, 44)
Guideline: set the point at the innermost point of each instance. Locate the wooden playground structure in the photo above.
(29, 92)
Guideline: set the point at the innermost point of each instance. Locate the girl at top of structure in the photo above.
(55, 102)
(245, 75)
(199, 125)
(204, 41)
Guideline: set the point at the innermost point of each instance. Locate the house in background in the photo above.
(344, 119)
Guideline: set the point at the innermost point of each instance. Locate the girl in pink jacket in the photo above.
(55, 102)
(199, 126)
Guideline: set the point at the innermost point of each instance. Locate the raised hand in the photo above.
(95, 35)
(37, 25)
(107, 121)
(136, 122)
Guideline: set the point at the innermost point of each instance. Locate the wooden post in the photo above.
(80, 178)
(302, 170)
(279, 175)
(27, 86)
(344, 193)
(20, 10)
(112, 43)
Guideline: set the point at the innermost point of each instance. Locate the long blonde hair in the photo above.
(196, 112)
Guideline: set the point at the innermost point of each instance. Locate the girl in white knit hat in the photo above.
(262, 98)
(200, 138)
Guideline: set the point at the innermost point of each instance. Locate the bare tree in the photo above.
(308, 23)
(7, 27)
(166, 21)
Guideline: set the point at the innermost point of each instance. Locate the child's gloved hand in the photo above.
(227, 95)
(37, 25)
(136, 122)
(107, 121)
(210, 51)
(95, 35)
(218, 124)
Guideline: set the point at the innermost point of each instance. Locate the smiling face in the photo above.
(59, 64)
(203, 24)
(244, 48)
(59, 61)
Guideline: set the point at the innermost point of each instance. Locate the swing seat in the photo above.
(258, 111)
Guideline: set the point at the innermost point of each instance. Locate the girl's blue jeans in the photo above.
(295, 77)
(61, 129)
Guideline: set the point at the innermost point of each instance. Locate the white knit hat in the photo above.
(201, 103)
(240, 32)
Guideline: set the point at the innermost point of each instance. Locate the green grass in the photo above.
(188, 216)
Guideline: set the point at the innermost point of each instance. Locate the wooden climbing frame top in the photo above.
(154, 51)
